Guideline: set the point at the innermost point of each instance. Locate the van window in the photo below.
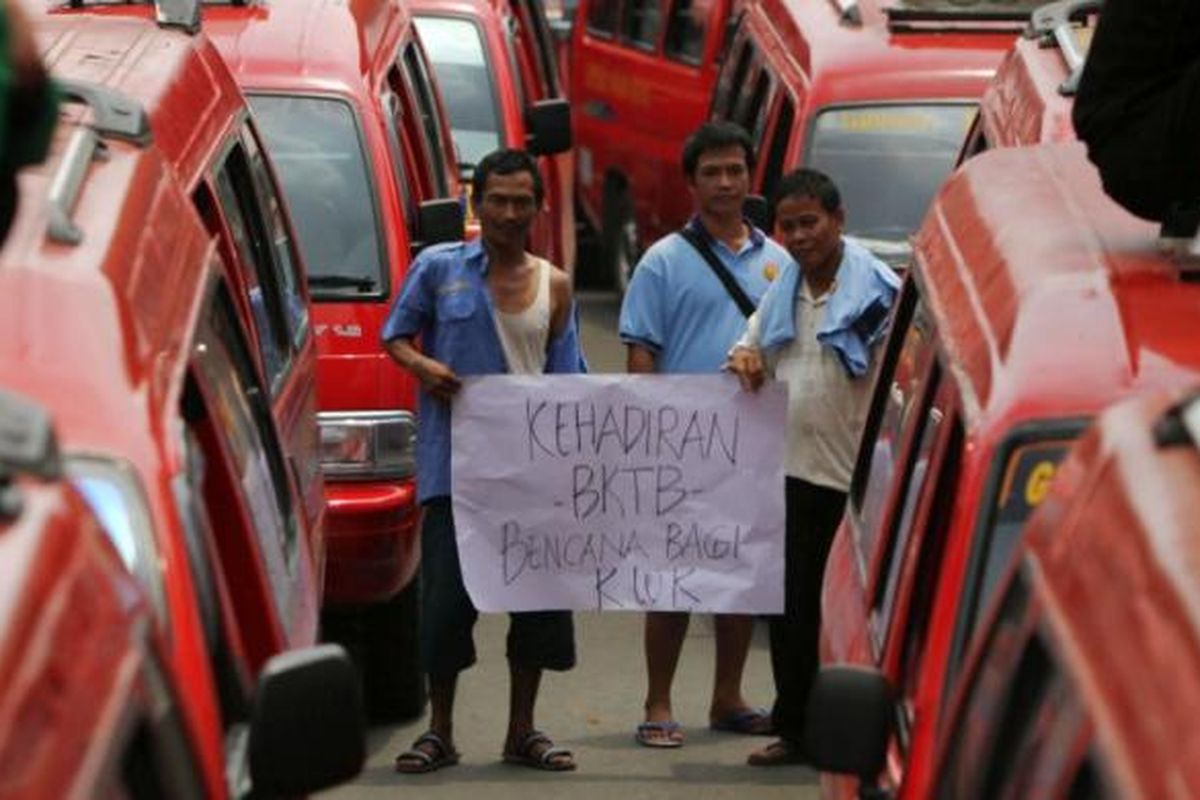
(393, 114)
(888, 161)
(686, 23)
(929, 568)
(418, 75)
(641, 22)
(920, 463)
(1024, 471)
(1006, 686)
(731, 80)
(242, 419)
(602, 17)
(316, 145)
(286, 264)
(777, 147)
(247, 223)
(900, 385)
(752, 115)
(532, 25)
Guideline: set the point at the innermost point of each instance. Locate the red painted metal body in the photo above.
(104, 334)
(78, 653)
(345, 52)
(522, 67)
(1044, 302)
(1107, 565)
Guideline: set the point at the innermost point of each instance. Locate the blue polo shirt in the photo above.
(677, 308)
(445, 302)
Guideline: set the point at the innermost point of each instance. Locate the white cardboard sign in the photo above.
(620, 492)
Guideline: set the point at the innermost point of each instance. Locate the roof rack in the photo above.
(913, 14)
(114, 116)
(181, 14)
(1052, 23)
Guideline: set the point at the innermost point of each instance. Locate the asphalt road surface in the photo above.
(594, 708)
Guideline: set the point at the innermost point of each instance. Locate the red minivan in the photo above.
(629, 132)
(1033, 301)
(498, 71)
(142, 287)
(1083, 677)
(352, 120)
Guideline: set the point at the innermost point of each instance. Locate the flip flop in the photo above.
(750, 721)
(550, 758)
(671, 733)
(415, 760)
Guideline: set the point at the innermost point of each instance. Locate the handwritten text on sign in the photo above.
(619, 492)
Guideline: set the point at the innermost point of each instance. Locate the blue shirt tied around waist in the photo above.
(856, 315)
(679, 310)
(445, 302)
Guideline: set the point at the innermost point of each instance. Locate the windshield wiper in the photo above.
(340, 282)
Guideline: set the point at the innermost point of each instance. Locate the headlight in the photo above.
(114, 493)
(367, 444)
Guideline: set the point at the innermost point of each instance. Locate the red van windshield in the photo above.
(315, 145)
(888, 161)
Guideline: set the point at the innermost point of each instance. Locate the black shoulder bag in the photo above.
(744, 303)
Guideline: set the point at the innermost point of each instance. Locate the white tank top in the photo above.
(525, 334)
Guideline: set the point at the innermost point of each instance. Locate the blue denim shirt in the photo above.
(445, 302)
(678, 309)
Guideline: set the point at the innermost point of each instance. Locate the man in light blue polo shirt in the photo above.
(679, 317)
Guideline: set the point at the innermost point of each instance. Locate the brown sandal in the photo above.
(547, 757)
(418, 759)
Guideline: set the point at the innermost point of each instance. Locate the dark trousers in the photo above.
(813, 514)
(536, 639)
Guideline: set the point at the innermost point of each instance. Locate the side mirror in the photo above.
(439, 221)
(27, 440)
(307, 726)
(548, 123)
(755, 209)
(848, 721)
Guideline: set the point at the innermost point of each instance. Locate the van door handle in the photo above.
(599, 109)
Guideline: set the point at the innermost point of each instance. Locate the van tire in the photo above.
(393, 680)
(619, 234)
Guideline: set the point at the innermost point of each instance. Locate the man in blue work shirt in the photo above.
(479, 308)
(679, 316)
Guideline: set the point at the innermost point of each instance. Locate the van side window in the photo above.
(245, 466)
(531, 20)
(392, 113)
(602, 17)
(751, 114)
(901, 383)
(777, 146)
(287, 271)
(1007, 683)
(685, 31)
(919, 464)
(418, 74)
(238, 201)
(730, 83)
(928, 567)
(641, 22)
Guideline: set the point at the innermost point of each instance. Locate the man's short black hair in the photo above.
(715, 136)
(506, 161)
(805, 182)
